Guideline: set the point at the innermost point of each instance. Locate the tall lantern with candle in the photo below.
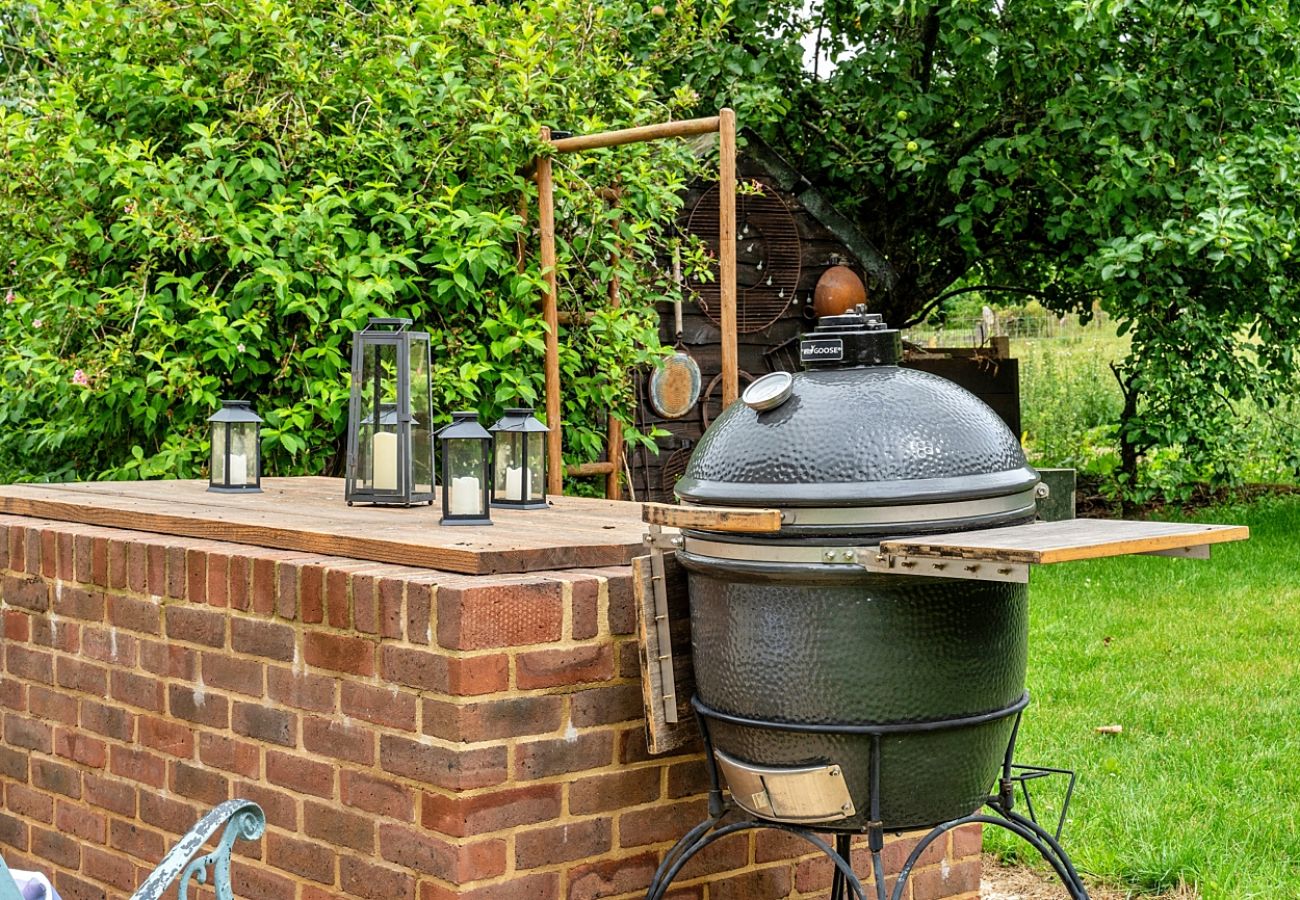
(236, 449)
(390, 440)
(465, 474)
(520, 454)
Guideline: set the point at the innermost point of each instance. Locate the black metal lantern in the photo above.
(236, 466)
(520, 460)
(466, 487)
(390, 442)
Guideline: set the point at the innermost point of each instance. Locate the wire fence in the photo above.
(976, 331)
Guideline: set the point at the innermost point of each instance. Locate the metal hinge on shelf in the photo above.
(658, 542)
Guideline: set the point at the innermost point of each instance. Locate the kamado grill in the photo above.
(857, 540)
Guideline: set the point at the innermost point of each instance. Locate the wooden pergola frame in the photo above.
(724, 124)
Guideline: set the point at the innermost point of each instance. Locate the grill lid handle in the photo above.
(712, 518)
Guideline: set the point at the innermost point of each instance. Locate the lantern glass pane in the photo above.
(536, 466)
(377, 430)
(464, 477)
(421, 418)
(243, 454)
(510, 482)
(218, 464)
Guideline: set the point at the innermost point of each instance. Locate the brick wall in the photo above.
(412, 735)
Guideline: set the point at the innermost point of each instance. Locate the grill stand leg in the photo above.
(845, 885)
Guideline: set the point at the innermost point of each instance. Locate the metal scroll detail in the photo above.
(242, 819)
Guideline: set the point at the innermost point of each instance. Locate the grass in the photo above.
(1198, 661)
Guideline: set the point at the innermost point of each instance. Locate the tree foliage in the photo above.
(204, 200)
(1137, 153)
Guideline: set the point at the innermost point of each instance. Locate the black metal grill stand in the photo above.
(845, 884)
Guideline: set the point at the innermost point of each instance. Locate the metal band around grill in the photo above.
(869, 558)
(848, 516)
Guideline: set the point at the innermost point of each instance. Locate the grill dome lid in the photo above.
(856, 430)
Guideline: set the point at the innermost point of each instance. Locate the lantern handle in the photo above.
(400, 324)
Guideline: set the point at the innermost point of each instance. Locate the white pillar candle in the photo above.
(514, 484)
(238, 469)
(383, 450)
(466, 496)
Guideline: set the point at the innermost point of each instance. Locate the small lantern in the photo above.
(390, 442)
(520, 469)
(465, 474)
(236, 466)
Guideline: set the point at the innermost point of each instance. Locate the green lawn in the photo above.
(1200, 663)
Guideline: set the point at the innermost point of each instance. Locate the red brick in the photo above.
(541, 759)
(302, 691)
(897, 851)
(967, 840)
(500, 615)
(57, 848)
(623, 875)
(114, 796)
(263, 586)
(228, 754)
(176, 573)
(338, 606)
(551, 668)
(478, 675)
(731, 852)
(391, 594)
(286, 592)
(328, 823)
(13, 832)
(138, 690)
(938, 882)
(80, 676)
(238, 593)
(243, 676)
(586, 609)
(265, 723)
(196, 576)
(51, 776)
(383, 706)
(169, 660)
(198, 706)
(170, 737)
(56, 706)
(13, 693)
(304, 858)
(261, 638)
(376, 795)
(419, 604)
(457, 770)
(16, 554)
(49, 553)
(32, 537)
(294, 772)
(111, 868)
(341, 740)
(57, 634)
(662, 822)
(80, 748)
(13, 763)
(686, 779)
(493, 719)
(255, 880)
(420, 669)
(770, 882)
(571, 841)
(117, 564)
(484, 813)
(79, 603)
(198, 626)
(137, 567)
(339, 653)
(457, 863)
(67, 566)
(365, 606)
(200, 784)
(605, 706)
(156, 569)
(362, 878)
(28, 734)
(109, 646)
(26, 591)
(541, 886)
(137, 765)
(17, 625)
(617, 790)
(311, 594)
(134, 615)
(281, 809)
(622, 604)
(167, 813)
(29, 804)
(81, 823)
(216, 584)
(29, 665)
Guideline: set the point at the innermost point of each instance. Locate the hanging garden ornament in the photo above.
(236, 466)
(390, 446)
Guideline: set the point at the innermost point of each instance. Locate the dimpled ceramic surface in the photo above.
(863, 650)
(879, 434)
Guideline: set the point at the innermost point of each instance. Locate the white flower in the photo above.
(239, 347)
(37, 323)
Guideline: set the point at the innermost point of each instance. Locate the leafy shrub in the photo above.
(205, 200)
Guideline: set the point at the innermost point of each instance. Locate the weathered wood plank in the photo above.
(1044, 543)
(661, 735)
(308, 514)
(749, 521)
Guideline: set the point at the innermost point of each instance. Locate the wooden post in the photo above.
(614, 433)
(550, 312)
(727, 253)
(680, 128)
